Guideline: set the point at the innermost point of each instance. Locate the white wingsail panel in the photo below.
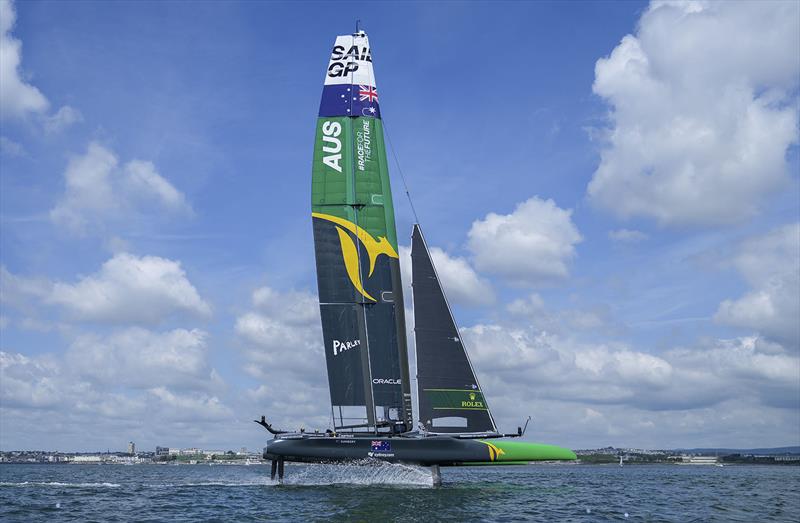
(351, 61)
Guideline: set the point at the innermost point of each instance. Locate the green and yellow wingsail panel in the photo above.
(355, 240)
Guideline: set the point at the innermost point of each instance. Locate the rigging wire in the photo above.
(402, 176)
(391, 147)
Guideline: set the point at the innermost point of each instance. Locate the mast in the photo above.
(355, 241)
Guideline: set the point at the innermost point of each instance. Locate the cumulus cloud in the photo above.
(533, 312)
(143, 359)
(28, 382)
(569, 369)
(128, 360)
(281, 340)
(10, 148)
(88, 188)
(461, 284)
(703, 109)
(282, 333)
(126, 289)
(62, 119)
(17, 97)
(531, 245)
(17, 291)
(129, 288)
(89, 407)
(522, 363)
(98, 190)
(189, 407)
(627, 236)
(581, 426)
(143, 179)
(771, 266)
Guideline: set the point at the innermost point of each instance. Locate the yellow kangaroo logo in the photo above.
(350, 251)
(494, 451)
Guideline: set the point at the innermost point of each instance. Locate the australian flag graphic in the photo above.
(381, 446)
(349, 100)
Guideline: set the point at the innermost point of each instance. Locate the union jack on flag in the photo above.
(381, 446)
(367, 92)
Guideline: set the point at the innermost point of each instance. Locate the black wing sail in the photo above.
(450, 397)
(355, 242)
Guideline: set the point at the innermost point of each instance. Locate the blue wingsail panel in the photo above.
(350, 100)
(350, 88)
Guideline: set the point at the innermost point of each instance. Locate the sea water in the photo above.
(383, 492)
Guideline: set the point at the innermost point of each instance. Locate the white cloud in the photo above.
(771, 266)
(531, 306)
(531, 245)
(283, 349)
(283, 333)
(533, 311)
(17, 97)
(142, 359)
(461, 284)
(89, 191)
(143, 179)
(294, 307)
(136, 362)
(128, 288)
(93, 408)
(523, 363)
(703, 109)
(258, 394)
(734, 423)
(189, 407)
(10, 148)
(63, 118)
(627, 236)
(28, 382)
(16, 291)
(98, 191)
(569, 369)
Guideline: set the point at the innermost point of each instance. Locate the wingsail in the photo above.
(355, 241)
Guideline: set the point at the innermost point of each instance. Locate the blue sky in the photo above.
(636, 164)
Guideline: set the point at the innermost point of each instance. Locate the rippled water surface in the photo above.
(394, 492)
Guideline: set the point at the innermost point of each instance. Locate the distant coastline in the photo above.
(603, 456)
(697, 456)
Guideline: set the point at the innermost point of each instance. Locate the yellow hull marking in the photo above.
(494, 451)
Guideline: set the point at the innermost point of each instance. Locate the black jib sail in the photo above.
(450, 397)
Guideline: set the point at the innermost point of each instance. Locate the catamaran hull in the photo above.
(434, 450)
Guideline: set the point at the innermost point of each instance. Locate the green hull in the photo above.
(521, 452)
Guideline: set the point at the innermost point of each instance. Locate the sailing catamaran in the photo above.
(363, 317)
